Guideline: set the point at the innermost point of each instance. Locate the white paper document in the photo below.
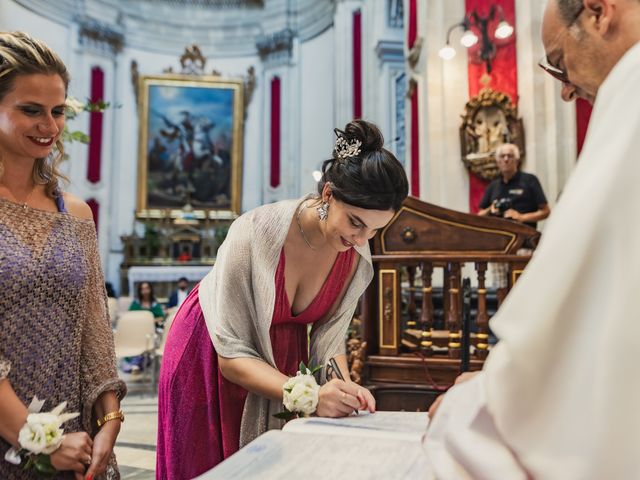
(384, 445)
(397, 425)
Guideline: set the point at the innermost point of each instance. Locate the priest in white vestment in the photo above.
(559, 396)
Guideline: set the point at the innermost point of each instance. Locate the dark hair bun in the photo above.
(369, 135)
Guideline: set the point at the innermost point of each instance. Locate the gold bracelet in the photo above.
(110, 416)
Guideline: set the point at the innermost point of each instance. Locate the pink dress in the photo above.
(199, 411)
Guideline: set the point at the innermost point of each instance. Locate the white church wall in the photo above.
(443, 92)
(317, 107)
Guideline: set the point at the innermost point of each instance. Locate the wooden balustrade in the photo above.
(411, 316)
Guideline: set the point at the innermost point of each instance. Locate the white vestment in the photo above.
(559, 396)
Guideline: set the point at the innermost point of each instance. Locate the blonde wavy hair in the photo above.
(20, 54)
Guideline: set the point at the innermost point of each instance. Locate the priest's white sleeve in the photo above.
(462, 441)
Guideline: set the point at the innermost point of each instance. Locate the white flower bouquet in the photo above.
(40, 436)
(300, 394)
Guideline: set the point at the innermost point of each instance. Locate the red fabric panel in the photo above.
(412, 31)
(274, 179)
(583, 114)
(504, 75)
(95, 127)
(95, 210)
(357, 64)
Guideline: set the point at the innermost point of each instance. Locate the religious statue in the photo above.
(489, 120)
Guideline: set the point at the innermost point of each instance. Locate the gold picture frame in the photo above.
(190, 146)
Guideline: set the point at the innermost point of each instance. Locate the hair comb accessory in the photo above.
(345, 148)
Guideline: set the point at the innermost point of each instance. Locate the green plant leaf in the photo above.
(286, 415)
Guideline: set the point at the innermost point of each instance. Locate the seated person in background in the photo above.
(147, 301)
(515, 194)
(179, 295)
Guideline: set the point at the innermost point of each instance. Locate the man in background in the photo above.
(178, 296)
(515, 195)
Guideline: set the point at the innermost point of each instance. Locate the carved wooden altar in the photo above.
(412, 312)
(184, 244)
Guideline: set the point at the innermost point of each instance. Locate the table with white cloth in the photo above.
(165, 274)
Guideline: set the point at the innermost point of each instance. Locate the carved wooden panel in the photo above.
(429, 229)
(388, 311)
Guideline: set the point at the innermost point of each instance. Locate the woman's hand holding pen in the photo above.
(338, 398)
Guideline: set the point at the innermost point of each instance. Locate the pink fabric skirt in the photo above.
(199, 411)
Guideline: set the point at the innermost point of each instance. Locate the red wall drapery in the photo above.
(583, 114)
(95, 127)
(274, 174)
(94, 205)
(357, 64)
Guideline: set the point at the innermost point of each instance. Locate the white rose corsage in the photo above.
(40, 436)
(300, 394)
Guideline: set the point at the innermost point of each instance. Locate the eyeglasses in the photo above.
(556, 72)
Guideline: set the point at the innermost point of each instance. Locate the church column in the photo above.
(281, 115)
(443, 89)
(96, 47)
(347, 17)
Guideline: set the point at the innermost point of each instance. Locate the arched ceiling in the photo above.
(222, 28)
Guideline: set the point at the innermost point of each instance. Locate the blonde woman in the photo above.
(56, 340)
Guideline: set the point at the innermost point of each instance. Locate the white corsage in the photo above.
(300, 394)
(40, 436)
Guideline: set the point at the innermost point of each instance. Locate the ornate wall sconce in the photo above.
(472, 24)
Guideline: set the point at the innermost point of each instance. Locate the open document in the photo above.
(383, 445)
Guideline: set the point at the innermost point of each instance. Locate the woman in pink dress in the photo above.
(242, 332)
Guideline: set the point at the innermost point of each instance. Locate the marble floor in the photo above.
(136, 445)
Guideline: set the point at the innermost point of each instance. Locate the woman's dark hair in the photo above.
(361, 172)
(153, 297)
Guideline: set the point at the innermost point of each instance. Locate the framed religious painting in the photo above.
(190, 146)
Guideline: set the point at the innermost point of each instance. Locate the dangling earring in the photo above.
(323, 210)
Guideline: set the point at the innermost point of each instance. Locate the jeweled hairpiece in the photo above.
(345, 148)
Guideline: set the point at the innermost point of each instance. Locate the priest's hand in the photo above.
(463, 377)
(338, 398)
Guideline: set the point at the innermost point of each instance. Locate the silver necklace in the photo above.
(25, 203)
(304, 237)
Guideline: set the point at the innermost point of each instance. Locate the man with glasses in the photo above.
(558, 397)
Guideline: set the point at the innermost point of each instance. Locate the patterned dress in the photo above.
(199, 411)
(56, 341)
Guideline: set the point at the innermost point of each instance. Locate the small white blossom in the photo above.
(301, 394)
(75, 105)
(43, 433)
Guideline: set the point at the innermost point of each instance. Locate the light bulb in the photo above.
(504, 30)
(447, 52)
(469, 39)
(317, 175)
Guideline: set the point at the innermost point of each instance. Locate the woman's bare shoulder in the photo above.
(76, 206)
